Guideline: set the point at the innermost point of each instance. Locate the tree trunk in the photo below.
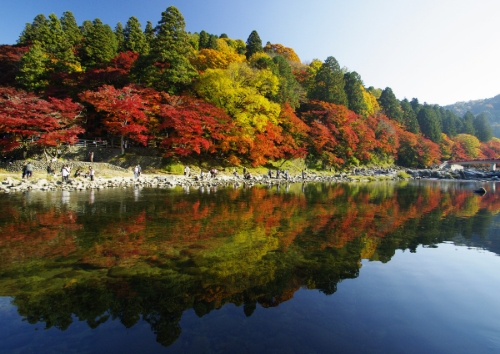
(122, 144)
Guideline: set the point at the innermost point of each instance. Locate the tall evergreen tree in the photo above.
(36, 31)
(203, 41)
(354, 92)
(329, 83)
(149, 33)
(70, 28)
(482, 127)
(135, 39)
(451, 124)
(415, 105)
(254, 44)
(59, 48)
(32, 74)
(409, 117)
(167, 66)
(120, 37)
(468, 123)
(212, 42)
(429, 124)
(390, 105)
(289, 89)
(100, 44)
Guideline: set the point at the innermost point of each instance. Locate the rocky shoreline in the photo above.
(50, 183)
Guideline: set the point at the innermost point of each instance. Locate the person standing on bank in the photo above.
(64, 173)
(136, 172)
(91, 174)
(29, 170)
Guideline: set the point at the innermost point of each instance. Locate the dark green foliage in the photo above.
(167, 67)
(468, 123)
(149, 33)
(451, 124)
(415, 105)
(36, 31)
(32, 74)
(390, 105)
(254, 44)
(482, 128)
(212, 42)
(70, 28)
(409, 117)
(120, 37)
(329, 83)
(429, 124)
(207, 41)
(223, 35)
(354, 92)
(100, 44)
(289, 90)
(203, 41)
(135, 39)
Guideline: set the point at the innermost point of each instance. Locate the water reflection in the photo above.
(153, 254)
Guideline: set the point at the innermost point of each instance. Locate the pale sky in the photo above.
(439, 51)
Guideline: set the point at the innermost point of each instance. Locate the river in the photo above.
(383, 267)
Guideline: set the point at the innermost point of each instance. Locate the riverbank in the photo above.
(113, 177)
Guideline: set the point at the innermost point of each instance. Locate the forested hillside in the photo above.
(491, 106)
(210, 96)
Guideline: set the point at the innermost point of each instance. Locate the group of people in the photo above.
(66, 171)
(279, 173)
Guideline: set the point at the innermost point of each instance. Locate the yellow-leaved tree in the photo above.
(371, 102)
(217, 59)
(242, 92)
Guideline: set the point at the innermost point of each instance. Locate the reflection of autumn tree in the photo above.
(34, 236)
(153, 260)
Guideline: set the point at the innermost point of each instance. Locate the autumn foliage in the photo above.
(205, 95)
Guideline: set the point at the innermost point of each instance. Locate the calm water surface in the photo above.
(374, 268)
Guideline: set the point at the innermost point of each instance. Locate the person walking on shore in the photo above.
(136, 172)
(91, 174)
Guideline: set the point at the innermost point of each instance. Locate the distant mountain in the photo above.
(489, 105)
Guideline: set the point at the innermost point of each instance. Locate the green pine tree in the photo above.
(390, 105)
(203, 41)
(290, 90)
(354, 92)
(33, 74)
(482, 127)
(70, 28)
(120, 37)
(100, 44)
(468, 123)
(167, 67)
(429, 124)
(329, 83)
(149, 33)
(135, 39)
(36, 31)
(254, 44)
(409, 117)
